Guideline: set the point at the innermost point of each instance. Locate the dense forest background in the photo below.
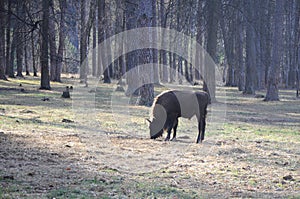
(255, 43)
(97, 144)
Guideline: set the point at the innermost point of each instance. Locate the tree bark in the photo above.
(264, 43)
(45, 77)
(272, 89)
(131, 57)
(154, 50)
(10, 68)
(52, 43)
(2, 41)
(94, 52)
(293, 69)
(141, 13)
(174, 65)
(62, 37)
(268, 45)
(239, 52)
(101, 27)
(258, 41)
(212, 31)
(83, 43)
(199, 36)
(163, 53)
(26, 58)
(33, 55)
(20, 38)
(250, 50)
(147, 18)
(107, 73)
(297, 54)
(85, 30)
(228, 37)
(120, 26)
(8, 40)
(153, 23)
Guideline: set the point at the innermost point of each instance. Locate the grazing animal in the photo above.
(172, 104)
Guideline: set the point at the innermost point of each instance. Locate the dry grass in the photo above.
(251, 152)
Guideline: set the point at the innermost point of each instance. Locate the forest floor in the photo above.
(51, 147)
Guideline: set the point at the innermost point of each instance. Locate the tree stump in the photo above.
(66, 93)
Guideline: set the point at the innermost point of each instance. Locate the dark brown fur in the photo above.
(170, 105)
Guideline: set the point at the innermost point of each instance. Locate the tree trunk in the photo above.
(180, 69)
(146, 15)
(298, 83)
(20, 38)
(26, 58)
(10, 68)
(56, 55)
(163, 53)
(33, 55)
(272, 89)
(293, 69)
(85, 30)
(45, 77)
(8, 40)
(268, 45)
(101, 27)
(297, 54)
(94, 52)
(239, 52)
(264, 42)
(171, 70)
(191, 73)
(199, 53)
(258, 42)
(52, 43)
(250, 50)
(175, 64)
(228, 36)
(155, 66)
(212, 31)
(2, 42)
(155, 52)
(121, 27)
(108, 52)
(83, 43)
(62, 37)
(131, 57)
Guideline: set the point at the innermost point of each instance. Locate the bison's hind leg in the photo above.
(201, 129)
(200, 133)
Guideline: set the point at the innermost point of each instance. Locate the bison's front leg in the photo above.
(171, 119)
(174, 129)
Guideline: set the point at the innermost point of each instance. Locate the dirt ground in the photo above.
(47, 151)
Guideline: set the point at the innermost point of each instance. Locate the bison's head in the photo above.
(156, 128)
(157, 122)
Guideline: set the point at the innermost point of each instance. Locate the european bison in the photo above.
(172, 104)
